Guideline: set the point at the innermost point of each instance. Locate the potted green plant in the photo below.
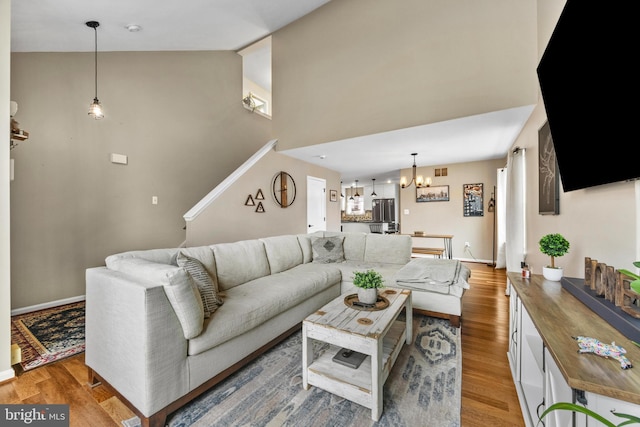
(635, 285)
(630, 419)
(368, 283)
(554, 245)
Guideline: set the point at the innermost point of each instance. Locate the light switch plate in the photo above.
(120, 159)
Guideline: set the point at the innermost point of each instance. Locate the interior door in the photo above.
(316, 204)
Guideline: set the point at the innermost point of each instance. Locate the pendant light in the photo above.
(357, 194)
(373, 184)
(95, 109)
(415, 179)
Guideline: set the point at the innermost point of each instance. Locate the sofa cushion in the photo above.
(204, 254)
(327, 249)
(348, 268)
(387, 248)
(257, 301)
(208, 293)
(283, 252)
(354, 244)
(305, 244)
(184, 297)
(240, 262)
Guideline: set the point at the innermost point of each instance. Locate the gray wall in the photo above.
(358, 67)
(448, 217)
(178, 118)
(228, 219)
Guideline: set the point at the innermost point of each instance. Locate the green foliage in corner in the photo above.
(630, 419)
(554, 245)
(635, 285)
(369, 279)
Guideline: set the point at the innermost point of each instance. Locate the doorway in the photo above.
(316, 204)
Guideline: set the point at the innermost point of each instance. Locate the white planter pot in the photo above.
(368, 296)
(552, 274)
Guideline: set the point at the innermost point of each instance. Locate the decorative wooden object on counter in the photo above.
(558, 316)
(611, 284)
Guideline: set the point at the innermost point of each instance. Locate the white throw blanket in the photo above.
(434, 275)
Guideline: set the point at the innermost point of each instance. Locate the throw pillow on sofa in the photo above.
(184, 297)
(327, 249)
(210, 298)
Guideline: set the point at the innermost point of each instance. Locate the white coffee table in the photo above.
(378, 334)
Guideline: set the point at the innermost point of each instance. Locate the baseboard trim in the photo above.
(7, 375)
(47, 305)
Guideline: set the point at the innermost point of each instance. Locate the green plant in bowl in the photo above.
(367, 283)
(369, 279)
(554, 245)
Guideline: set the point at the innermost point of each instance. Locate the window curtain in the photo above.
(515, 224)
(501, 217)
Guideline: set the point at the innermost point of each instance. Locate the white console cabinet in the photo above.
(526, 358)
(545, 364)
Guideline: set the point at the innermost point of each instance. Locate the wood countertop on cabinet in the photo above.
(558, 316)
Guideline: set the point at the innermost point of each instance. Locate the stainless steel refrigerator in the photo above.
(383, 210)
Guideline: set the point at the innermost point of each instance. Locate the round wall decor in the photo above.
(284, 189)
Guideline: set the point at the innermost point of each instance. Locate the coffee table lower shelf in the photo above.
(357, 385)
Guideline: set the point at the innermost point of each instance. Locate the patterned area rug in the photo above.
(45, 336)
(422, 390)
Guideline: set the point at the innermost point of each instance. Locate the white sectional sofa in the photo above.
(147, 335)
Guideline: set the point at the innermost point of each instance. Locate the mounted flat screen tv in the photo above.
(589, 87)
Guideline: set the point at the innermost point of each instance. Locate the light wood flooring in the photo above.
(488, 393)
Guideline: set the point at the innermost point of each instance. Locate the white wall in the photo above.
(6, 371)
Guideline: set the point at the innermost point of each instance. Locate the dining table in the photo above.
(447, 239)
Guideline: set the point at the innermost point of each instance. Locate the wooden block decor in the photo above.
(610, 287)
(619, 302)
(600, 277)
(588, 271)
(594, 266)
(609, 283)
(629, 297)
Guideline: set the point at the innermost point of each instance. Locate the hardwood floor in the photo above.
(488, 393)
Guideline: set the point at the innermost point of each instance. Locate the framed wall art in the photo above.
(548, 182)
(437, 193)
(472, 201)
(333, 196)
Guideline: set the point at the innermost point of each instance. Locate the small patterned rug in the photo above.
(423, 389)
(45, 336)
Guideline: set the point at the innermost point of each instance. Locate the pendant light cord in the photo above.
(95, 32)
